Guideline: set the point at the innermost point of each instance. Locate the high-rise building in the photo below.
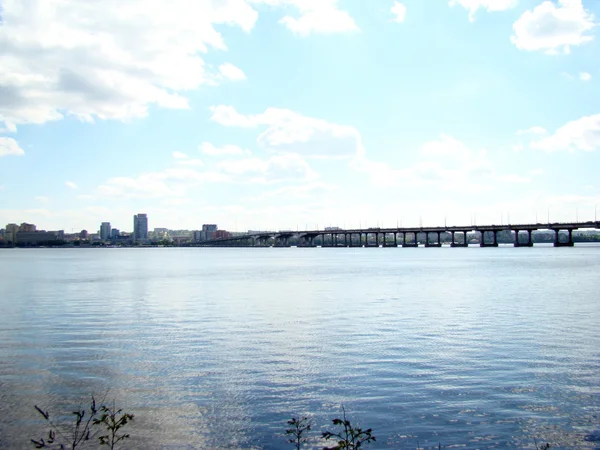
(140, 227)
(10, 233)
(27, 227)
(105, 231)
(115, 233)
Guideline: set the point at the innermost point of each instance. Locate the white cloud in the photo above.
(302, 191)
(513, 178)
(399, 12)
(191, 162)
(447, 164)
(42, 199)
(173, 182)
(226, 150)
(276, 169)
(291, 132)
(581, 134)
(8, 127)
(109, 59)
(585, 76)
(180, 155)
(232, 72)
(9, 146)
(177, 181)
(316, 16)
(71, 185)
(552, 28)
(229, 117)
(532, 130)
(491, 5)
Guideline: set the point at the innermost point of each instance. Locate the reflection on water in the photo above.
(217, 348)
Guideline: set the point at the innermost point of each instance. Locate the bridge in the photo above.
(404, 237)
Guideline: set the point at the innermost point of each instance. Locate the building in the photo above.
(83, 235)
(207, 233)
(32, 238)
(105, 230)
(115, 233)
(140, 228)
(221, 234)
(10, 233)
(27, 227)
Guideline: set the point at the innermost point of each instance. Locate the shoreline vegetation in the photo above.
(103, 424)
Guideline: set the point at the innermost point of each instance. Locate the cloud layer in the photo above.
(581, 134)
(291, 132)
(552, 28)
(109, 59)
(9, 146)
(490, 5)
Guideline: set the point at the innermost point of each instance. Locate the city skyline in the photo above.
(285, 114)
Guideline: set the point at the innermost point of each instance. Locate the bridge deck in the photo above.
(308, 236)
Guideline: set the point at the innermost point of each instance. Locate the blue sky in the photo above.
(279, 114)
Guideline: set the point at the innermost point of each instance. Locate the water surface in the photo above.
(217, 348)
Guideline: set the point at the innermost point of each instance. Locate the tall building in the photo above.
(27, 227)
(105, 231)
(140, 227)
(207, 233)
(10, 233)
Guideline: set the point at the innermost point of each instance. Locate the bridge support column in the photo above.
(569, 242)
(395, 239)
(385, 242)
(432, 244)
(457, 244)
(494, 242)
(415, 244)
(376, 240)
(518, 243)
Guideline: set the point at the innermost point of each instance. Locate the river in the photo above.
(218, 348)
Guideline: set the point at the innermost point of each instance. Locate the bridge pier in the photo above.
(282, 241)
(569, 242)
(352, 240)
(385, 242)
(518, 243)
(465, 243)
(307, 241)
(414, 244)
(494, 243)
(438, 243)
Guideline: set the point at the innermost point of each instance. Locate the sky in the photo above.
(296, 114)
